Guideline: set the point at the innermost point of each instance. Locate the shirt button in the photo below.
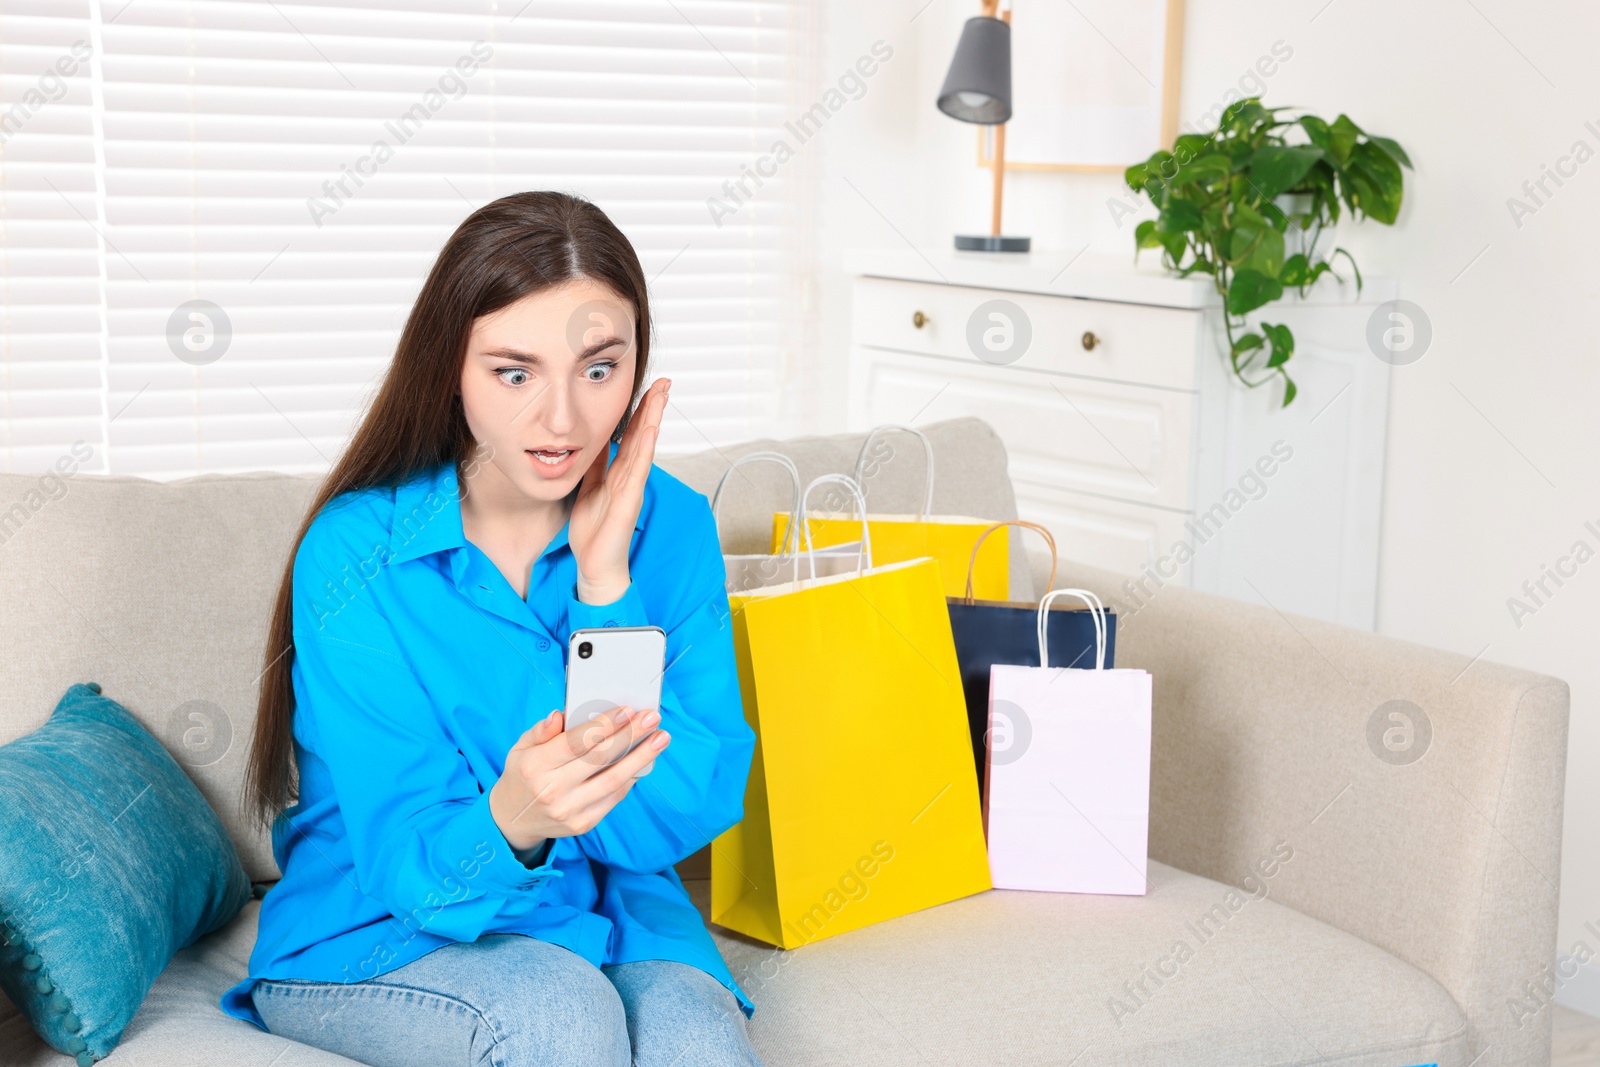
(544, 643)
(610, 622)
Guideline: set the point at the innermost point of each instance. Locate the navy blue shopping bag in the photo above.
(987, 632)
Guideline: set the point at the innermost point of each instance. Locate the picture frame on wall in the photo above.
(1094, 84)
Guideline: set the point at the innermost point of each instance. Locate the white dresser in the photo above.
(1126, 433)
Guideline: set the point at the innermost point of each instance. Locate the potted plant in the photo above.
(1228, 199)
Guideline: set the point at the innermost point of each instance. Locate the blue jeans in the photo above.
(508, 1000)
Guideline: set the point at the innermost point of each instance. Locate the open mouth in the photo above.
(551, 458)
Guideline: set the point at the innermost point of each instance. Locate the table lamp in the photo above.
(977, 89)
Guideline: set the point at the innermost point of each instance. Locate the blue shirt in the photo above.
(416, 667)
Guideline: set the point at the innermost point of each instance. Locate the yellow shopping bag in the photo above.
(862, 803)
(745, 572)
(947, 538)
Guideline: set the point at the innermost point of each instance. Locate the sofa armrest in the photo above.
(1268, 731)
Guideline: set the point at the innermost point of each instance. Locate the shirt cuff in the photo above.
(486, 858)
(626, 610)
(535, 858)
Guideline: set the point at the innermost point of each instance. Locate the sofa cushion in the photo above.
(1011, 977)
(110, 862)
(999, 978)
(180, 1024)
(161, 592)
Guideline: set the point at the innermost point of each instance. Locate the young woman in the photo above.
(466, 878)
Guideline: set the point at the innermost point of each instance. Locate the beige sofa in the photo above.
(1417, 901)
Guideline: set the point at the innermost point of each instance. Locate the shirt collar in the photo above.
(427, 515)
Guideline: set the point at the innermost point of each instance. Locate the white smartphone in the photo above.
(612, 666)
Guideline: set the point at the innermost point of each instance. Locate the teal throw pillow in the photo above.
(110, 862)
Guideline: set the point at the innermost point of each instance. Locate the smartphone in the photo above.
(612, 666)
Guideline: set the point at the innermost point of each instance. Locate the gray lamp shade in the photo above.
(978, 86)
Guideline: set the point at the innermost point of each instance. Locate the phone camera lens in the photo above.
(585, 649)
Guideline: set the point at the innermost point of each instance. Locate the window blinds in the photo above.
(214, 228)
(52, 327)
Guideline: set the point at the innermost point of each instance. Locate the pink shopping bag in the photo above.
(1067, 803)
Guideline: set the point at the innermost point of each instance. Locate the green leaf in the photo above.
(1238, 149)
(1144, 235)
(1392, 147)
(1277, 169)
(1289, 390)
(1135, 176)
(1202, 169)
(1262, 250)
(1282, 344)
(1341, 252)
(1381, 164)
(1174, 243)
(1320, 183)
(1377, 181)
(1243, 346)
(1243, 117)
(1250, 290)
(1275, 215)
(1316, 129)
(1246, 217)
(1190, 145)
(1299, 272)
(1323, 185)
(1357, 189)
(1342, 138)
(1178, 216)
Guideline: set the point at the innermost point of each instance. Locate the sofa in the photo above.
(1309, 902)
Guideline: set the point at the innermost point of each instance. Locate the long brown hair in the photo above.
(518, 245)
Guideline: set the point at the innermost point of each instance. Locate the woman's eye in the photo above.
(505, 374)
(606, 367)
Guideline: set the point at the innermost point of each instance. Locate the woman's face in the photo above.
(545, 382)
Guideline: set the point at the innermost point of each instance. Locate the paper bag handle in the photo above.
(864, 553)
(1097, 610)
(1045, 533)
(927, 449)
(794, 506)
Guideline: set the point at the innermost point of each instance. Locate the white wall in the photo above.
(1492, 434)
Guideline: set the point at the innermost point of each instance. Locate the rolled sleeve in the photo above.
(506, 870)
(535, 858)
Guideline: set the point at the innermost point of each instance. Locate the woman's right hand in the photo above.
(556, 782)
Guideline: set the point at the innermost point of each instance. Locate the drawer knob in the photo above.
(919, 320)
(1089, 340)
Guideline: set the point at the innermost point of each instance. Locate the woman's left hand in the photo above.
(600, 528)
